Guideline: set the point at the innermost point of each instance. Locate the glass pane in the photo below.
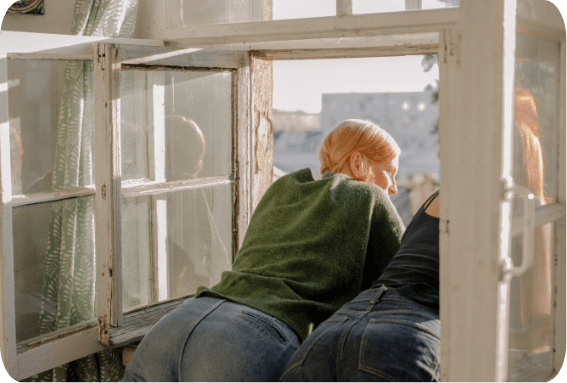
(136, 252)
(199, 237)
(384, 6)
(136, 114)
(530, 341)
(301, 9)
(54, 264)
(198, 12)
(193, 237)
(177, 124)
(536, 116)
(51, 108)
(542, 11)
(398, 93)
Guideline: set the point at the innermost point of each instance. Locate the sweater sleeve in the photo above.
(385, 236)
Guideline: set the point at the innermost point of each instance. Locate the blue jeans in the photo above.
(381, 335)
(210, 339)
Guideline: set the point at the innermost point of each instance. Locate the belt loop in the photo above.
(381, 290)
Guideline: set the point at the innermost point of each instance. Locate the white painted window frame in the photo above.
(436, 31)
(44, 352)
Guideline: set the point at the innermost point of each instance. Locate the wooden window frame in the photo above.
(112, 328)
(444, 32)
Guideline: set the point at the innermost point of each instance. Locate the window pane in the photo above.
(542, 11)
(199, 237)
(530, 341)
(54, 266)
(198, 12)
(193, 234)
(136, 252)
(177, 125)
(51, 124)
(136, 115)
(536, 116)
(384, 6)
(301, 9)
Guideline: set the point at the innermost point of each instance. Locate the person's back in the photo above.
(308, 245)
(414, 270)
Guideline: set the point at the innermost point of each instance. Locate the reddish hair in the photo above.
(372, 142)
(527, 126)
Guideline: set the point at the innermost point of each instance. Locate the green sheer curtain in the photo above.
(69, 277)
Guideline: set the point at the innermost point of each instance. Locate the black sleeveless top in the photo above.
(414, 270)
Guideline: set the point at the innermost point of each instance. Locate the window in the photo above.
(108, 241)
(477, 223)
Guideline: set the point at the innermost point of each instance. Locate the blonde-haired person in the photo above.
(311, 246)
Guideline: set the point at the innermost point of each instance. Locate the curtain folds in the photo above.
(68, 295)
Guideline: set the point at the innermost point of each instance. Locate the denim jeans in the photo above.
(210, 339)
(381, 335)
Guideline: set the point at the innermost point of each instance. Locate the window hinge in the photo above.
(101, 57)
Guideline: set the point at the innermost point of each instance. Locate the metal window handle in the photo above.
(528, 229)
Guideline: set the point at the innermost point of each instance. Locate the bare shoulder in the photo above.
(433, 208)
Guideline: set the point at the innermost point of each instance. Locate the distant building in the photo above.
(408, 117)
(296, 138)
(284, 121)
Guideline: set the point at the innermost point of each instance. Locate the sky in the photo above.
(296, 9)
(299, 84)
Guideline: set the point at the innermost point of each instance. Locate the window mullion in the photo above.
(160, 284)
(344, 7)
(7, 295)
(107, 182)
(543, 215)
(242, 154)
(413, 5)
(57, 195)
(559, 267)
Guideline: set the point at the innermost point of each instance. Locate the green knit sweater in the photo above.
(311, 246)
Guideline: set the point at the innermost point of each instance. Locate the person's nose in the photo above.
(393, 190)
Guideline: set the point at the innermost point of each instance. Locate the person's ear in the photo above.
(357, 165)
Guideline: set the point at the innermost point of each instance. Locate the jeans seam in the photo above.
(180, 359)
(342, 340)
(398, 311)
(362, 366)
(407, 323)
(304, 355)
(283, 339)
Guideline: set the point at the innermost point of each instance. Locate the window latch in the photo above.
(528, 229)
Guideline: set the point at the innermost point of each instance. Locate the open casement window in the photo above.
(139, 192)
(114, 216)
(502, 238)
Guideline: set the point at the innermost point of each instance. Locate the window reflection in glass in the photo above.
(137, 288)
(535, 167)
(192, 125)
(54, 266)
(194, 244)
(39, 131)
